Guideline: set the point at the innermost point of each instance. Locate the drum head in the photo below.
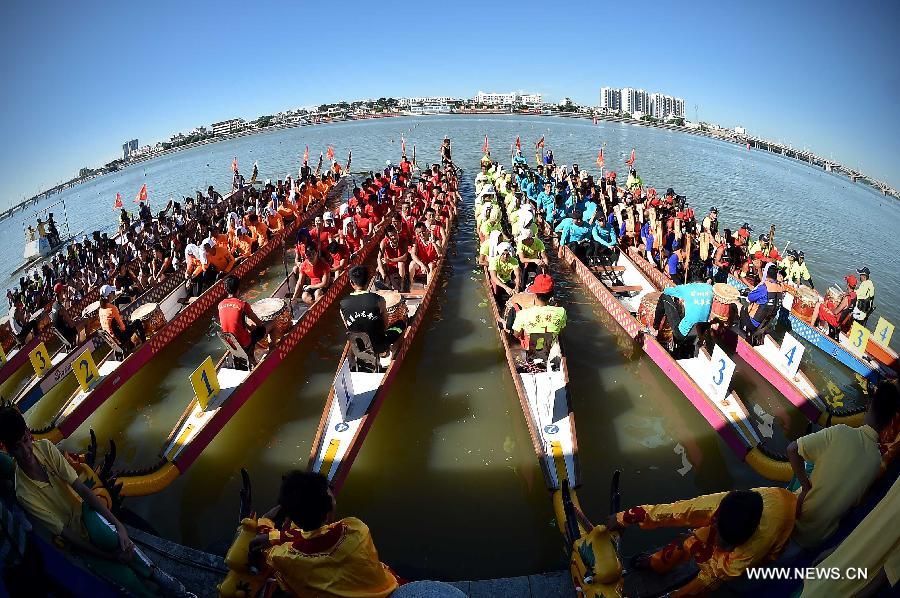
(391, 298)
(91, 309)
(144, 310)
(269, 307)
(725, 292)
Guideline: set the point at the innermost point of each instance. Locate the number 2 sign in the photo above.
(721, 369)
(86, 370)
(205, 382)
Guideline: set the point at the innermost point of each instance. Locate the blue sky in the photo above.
(80, 78)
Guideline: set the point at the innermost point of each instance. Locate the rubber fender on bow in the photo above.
(769, 465)
(148, 483)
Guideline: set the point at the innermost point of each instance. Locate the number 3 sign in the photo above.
(721, 369)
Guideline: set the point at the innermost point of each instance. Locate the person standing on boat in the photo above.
(763, 302)
(52, 231)
(685, 306)
(730, 532)
(233, 315)
(800, 273)
(112, 323)
(847, 460)
(366, 312)
(865, 296)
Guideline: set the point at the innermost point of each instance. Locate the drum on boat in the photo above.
(646, 313)
(7, 338)
(91, 315)
(275, 313)
(724, 297)
(151, 316)
(396, 307)
(804, 306)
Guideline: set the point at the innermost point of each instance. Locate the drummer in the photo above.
(366, 312)
(313, 276)
(112, 323)
(763, 301)
(694, 301)
(233, 315)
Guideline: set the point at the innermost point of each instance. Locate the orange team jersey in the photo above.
(322, 187)
(286, 209)
(274, 222)
(259, 229)
(223, 241)
(108, 315)
(193, 266)
(243, 246)
(223, 260)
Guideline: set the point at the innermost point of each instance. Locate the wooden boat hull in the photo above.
(197, 427)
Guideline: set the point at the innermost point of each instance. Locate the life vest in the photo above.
(762, 312)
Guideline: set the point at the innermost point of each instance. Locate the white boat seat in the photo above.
(363, 352)
(117, 349)
(234, 348)
(61, 338)
(539, 355)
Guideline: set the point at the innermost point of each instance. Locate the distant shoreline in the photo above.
(485, 112)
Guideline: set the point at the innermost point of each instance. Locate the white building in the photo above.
(679, 108)
(515, 98)
(226, 127)
(635, 100)
(610, 99)
(664, 106)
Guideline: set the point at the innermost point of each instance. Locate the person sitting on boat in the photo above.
(49, 490)
(244, 243)
(425, 253)
(274, 221)
(541, 316)
(313, 275)
(59, 315)
(604, 243)
(233, 315)
(22, 323)
(219, 260)
(366, 312)
(339, 254)
(393, 259)
(531, 253)
(730, 532)
(865, 297)
(675, 262)
(112, 323)
(686, 307)
(837, 312)
(576, 234)
(847, 460)
(315, 555)
(763, 302)
(506, 276)
(435, 227)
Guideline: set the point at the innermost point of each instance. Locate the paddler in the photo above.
(865, 296)
(393, 259)
(604, 243)
(314, 554)
(686, 307)
(506, 278)
(313, 276)
(233, 315)
(575, 233)
(531, 253)
(112, 323)
(59, 315)
(837, 314)
(424, 254)
(218, 259)
(763, 302)
(541, 316)
(729, 533)
(366, 312)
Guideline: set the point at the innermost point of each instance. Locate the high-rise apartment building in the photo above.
(128, 148)
(610, 98)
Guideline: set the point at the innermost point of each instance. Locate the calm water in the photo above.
(447, 479)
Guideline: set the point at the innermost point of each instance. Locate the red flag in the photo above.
(329, 153)
(486, 147)
(540, 143)
(142, 194)
(306, 155)
(402, 146)
(118, 201)
(234, 164)
(600, 158)
(518, 143)
(630, 161)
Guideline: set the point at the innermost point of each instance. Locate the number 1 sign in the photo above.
(205, 382)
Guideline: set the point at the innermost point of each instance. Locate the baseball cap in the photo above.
(208, 242)
(851, 280)
(107, 291)
(502, 247)
(327, 216)
(58, 287)
(714, 210)
(525, 234)
(863, 270)
(746, 226)
(542, 284)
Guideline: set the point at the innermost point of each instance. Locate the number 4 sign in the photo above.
(721, 369)
(791, 353)
(205, 382)
(86, 370)
(883, 332)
